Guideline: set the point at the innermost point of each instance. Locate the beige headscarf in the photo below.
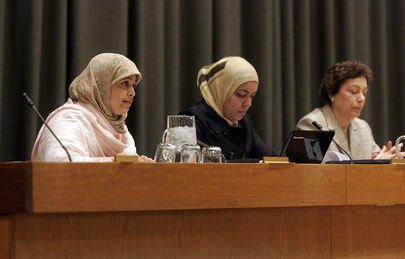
(94, 84)
(218, 81)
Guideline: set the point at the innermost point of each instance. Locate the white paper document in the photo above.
(334, 156)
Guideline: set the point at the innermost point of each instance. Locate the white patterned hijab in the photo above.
(218, 81)
(94, 84)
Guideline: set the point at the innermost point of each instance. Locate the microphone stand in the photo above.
(319, 127)
(31, 104)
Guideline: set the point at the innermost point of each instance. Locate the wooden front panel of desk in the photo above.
(124, 210)
(295, 232)
(376, 184)
(88, 187)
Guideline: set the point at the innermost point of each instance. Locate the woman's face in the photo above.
(350, 99)
(240, 101)
(122, 94)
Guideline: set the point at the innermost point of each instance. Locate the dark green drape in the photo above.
(45, 44)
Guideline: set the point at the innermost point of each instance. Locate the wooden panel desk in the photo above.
(135, 210)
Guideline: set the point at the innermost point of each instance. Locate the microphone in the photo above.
(31, 104)
(319, 127)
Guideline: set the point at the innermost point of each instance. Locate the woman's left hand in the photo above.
(388, 152)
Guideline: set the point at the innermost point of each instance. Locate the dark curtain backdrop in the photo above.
(45, 44)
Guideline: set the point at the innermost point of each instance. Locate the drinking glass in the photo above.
(397, 149)
(165, 153)
(190, 153)
(211, 155)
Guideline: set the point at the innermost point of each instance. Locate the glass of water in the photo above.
(211, 155)
(190, 153)
(165, 153)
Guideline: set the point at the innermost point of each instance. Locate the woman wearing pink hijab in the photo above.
(91, 124)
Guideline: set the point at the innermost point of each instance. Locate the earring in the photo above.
(332, 99)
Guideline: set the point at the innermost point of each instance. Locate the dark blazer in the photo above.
(236, 143)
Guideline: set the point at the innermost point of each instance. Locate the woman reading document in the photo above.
(344, 89)
(228, 87)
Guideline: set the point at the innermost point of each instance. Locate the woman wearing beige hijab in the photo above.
(91, 124)
(228, 87)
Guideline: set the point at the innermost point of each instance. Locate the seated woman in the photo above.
(91, 124)
(343, 89)
(228, 87)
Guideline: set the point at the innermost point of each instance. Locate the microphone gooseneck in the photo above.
(31, 104)
(319, 127)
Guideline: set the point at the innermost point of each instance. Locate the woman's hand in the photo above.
(388, 152)
(145, 159)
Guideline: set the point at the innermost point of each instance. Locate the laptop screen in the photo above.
(306, 146)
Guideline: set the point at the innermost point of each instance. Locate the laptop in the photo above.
(307, 146)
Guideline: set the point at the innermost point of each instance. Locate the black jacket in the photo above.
(236, 143)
